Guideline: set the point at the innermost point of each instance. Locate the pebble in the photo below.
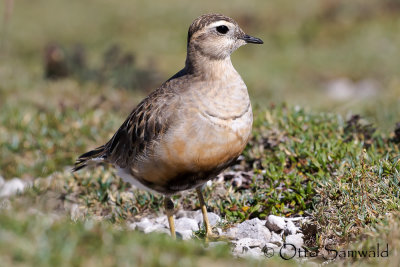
(273, 246)
(296, 240)
(162, 220)
(183, 224)
(249, 242)
(213, 218)
(12, 187)
(254, 253)
(251, 237)
(290, 228)
(253, 229)
(231, 233)
(147, 226)
(187, 214)
(184, 234)
(276, 239)
(217, 243)
(275, 223)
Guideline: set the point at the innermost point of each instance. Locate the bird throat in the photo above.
(220, 91)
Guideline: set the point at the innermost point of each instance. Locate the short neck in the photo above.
(201, 65)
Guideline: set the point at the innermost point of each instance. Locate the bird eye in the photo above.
(222, 29)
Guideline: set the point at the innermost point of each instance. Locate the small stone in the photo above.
(275, 223)
(162, 220)
(231, 232)
(290, 228)
(219, 231)
(162, 230)
(276, 239)
(217, 243)
(295, 240)
(12, 187)
(132, 226)
(183, 224)
(187, 214)
(287, 252)
(212, 218)
(253, 229)
(185, 234)
(255, 253)
(75, 212)
(147, 226)
(271, 246)
(238, 250)
(248, 242)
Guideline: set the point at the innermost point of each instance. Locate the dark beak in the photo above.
(251, 39)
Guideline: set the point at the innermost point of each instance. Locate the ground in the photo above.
(310, 153)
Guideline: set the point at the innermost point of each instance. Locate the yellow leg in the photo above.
(203, 206)
(169, 210)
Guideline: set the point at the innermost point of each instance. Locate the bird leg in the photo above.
(169, 210)
(203, 206)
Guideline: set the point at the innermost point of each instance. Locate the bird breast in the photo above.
(210, 129)
(214, 128)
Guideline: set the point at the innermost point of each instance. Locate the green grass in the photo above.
(321, 41)
(306, 161)
(39, 240)
(345, 174)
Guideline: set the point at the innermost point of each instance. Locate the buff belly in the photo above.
(192, 154)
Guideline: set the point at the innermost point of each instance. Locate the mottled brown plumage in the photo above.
(193, 126)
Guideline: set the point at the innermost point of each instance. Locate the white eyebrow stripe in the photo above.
(221, 22)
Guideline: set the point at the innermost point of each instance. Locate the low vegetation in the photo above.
(317, 159)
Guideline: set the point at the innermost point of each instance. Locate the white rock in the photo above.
(231, 232)
(132, 226)
(1, 181)
(147, 226)
(271, 246)
(275, 223)
(163, 230)
(248, 242)
(12, 187)
(238, 250)
(287, 253)
(217, 243)
(75, 212)
(295, 240)
(185, 234)
(276, 239)
(187, 214)
(290, 228)
(212, 218)
(183, 224)
(254, 253)
(253, 229)
(219, 230)
(340, 89)
(162, 220)
(345, 89)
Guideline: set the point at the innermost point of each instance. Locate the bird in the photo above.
(192, 127)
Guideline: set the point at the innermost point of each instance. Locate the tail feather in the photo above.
(84, 159)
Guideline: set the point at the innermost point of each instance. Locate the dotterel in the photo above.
(193, 126)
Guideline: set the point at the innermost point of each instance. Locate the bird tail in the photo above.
(93, 156)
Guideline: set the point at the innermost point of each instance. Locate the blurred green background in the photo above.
(331, 55)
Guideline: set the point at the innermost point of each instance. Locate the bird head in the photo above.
(216, 36)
